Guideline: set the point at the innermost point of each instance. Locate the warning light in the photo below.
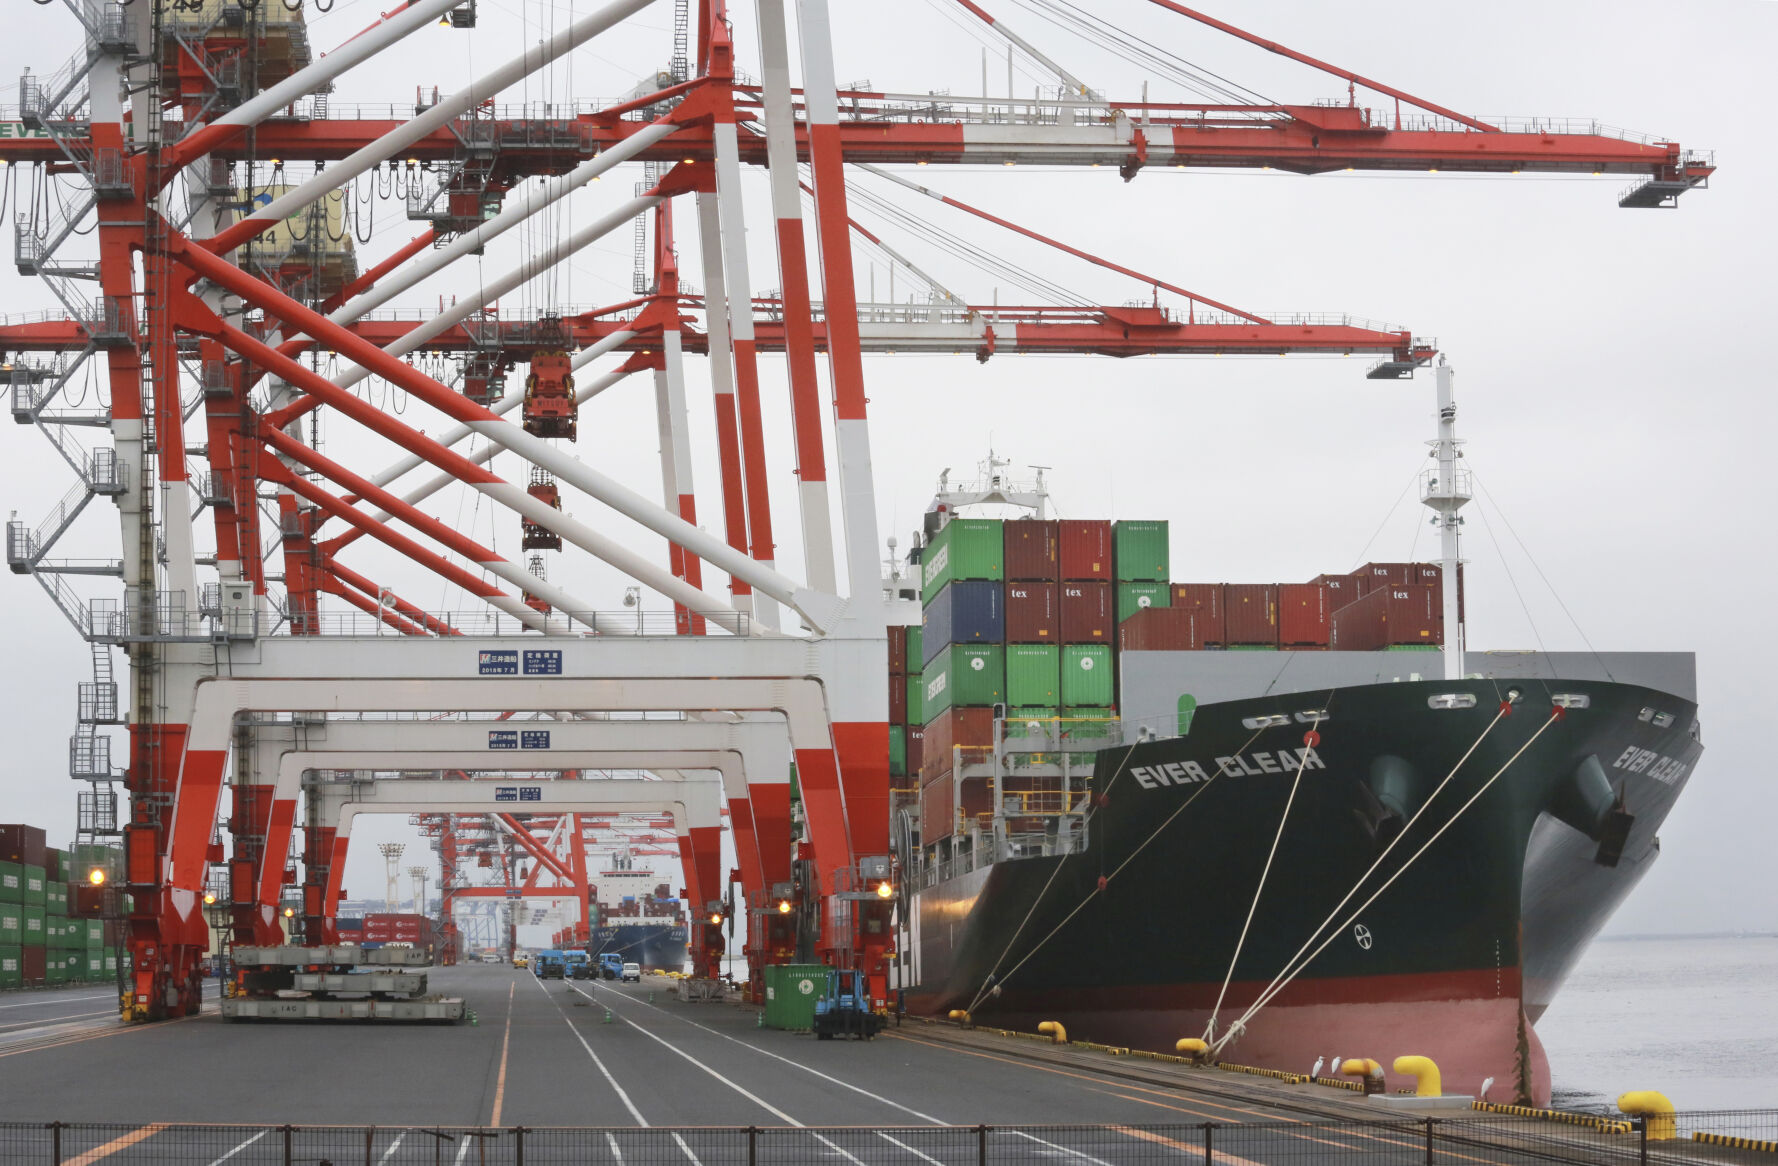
(884, 890)
(716, 917)
(96, 876)
(289, 912)
(783, 906)
(209, 900)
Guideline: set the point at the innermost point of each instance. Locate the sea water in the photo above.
(1694, 1017)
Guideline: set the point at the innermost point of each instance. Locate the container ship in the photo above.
(647, 929)
(1296, 821)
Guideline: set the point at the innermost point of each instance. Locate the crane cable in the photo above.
(1557, 712)
(1311, 738)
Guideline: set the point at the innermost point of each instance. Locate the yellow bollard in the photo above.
(1366, 1069)
(1054, 1030)
(1656, 1108)
(1424, 1073)
(1192, 1047)
(959, 1015)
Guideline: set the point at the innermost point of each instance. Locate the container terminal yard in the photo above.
(836, 859)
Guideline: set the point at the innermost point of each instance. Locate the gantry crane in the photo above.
(204, 349)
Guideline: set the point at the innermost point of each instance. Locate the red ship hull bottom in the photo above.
(1471, 1024)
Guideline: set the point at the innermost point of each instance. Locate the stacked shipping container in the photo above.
(40, 942)
(1020, 615)
(1028, 616)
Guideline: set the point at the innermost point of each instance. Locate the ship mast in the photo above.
(1445, 490)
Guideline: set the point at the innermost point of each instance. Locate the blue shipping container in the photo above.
(967, 611)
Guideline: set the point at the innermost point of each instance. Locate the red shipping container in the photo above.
(916, 748)
(972, 728)
(1250, 611)
(1160, 629)
(1031, 550)
(1341, 589)
(1033, 614)
(1434, 574)
(1089, 614)
(1303, 611)
(1085, 549)
(1374, 575)
(22, 844)
(898, 653)
(938, 818)
(898, 700)
(1389, 616)
(32, 963)
(1207, 600)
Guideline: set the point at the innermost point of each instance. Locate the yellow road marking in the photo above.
(1217, 1155)
(116, 1144)
(500, 1086)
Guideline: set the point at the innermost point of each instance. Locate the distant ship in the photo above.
(647, 929)
(1451, 849)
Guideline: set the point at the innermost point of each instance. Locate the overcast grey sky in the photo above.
(1613, 364)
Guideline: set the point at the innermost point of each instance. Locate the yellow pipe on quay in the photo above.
(1366, 1070)
(959, 1015)
(1054, 1030)
(1192, 1047)
(1426, 1077)
(1656, 1108)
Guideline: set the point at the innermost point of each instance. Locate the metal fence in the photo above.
(1482, 1138)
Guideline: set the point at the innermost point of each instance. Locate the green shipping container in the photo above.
(1086, 675)
(916, 644)
(1133, 597)
(34, 895)
(1412, 648)
(34, 930)
(898, 751)
(12, 966)
(12, 925)
(92, 965)
(1033, 674)
(95, 933)
(916, 698)
(12, 882)
(791, 992)
(55, 898)
(1253, 647)
(964, 676)
(1019, 727)
(967, 548)
(1139, 551)
(110, 964)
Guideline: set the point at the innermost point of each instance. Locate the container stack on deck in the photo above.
(41, 942)
(1024, 619)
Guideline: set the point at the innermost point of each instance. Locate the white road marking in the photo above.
(909, 1149)
(462, 1148)
(57, 1000)
(57, 1019)
(393, 1146)
(753, 1097)
(1063, 1149)
(687, 1149)
(925, 1117)
(615, 1151)
(837, 1150)
(239, 1148)
(609, 1079)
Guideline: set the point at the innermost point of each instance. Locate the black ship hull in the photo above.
(1439, 917)
(658, 947)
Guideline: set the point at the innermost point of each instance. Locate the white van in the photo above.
(632, 972)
